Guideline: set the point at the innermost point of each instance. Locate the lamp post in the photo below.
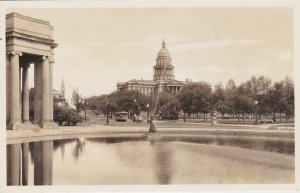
(85, 106)
(256, 103)
(135, 110)
(148, 113)
(107, 112)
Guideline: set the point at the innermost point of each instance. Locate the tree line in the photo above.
(257, 96)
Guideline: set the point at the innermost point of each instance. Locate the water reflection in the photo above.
(43, 162)
(133, 160)
(40, 154)
(13, 154)
(60, 144)
(79, 148)
(264, 144)
(163, 162)
(25, 151)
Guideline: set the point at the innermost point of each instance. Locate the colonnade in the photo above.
(173, 89)
(18, 65)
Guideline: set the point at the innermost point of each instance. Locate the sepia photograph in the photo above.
(150, 96)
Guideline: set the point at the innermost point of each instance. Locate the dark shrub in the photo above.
(65, 116)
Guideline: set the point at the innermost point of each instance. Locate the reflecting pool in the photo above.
(170, 160)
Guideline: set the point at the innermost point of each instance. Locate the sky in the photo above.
(99, 47)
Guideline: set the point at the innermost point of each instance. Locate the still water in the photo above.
(171, 160)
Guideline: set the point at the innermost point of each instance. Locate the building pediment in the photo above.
(175, 82)
(141, 82)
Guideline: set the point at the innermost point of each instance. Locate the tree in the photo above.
(77, 100)
(218, 98)
(97, 102)
(185, 97)
(195, 98)
(221, 107)
(168, 105)
(202, 98)
(286, 101)
(110, 106)
(66, 116)
(280, 98)
(243, 104)
(230, 93)
(257, 88)
(131, 100)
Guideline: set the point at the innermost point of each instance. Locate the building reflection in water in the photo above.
(43, 163)
(25, 154)
(162, 161)
(13, 155)
(18, 163)
(150, 162)
(79, 147)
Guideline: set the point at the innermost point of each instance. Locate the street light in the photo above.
(148, 105)
(86, 104)
(256, 103)
(107, 112)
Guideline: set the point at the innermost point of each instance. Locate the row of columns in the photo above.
(162, 74)
(173, 89)
(43, 87)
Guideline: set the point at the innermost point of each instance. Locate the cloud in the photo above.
(213, 44)
(285, 56)
(248, 41)
(213, 68)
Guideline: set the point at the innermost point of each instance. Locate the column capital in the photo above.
(15, 53)
(51, 59)
(45, 57)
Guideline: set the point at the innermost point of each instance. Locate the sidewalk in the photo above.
(28, 135)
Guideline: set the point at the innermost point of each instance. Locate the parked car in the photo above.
(262, 121)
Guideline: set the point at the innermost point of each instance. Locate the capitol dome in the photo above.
(163, 52)
(163, 70)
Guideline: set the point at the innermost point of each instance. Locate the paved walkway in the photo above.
(37, 134)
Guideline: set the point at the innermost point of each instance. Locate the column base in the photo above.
(28, 125)
(26, 122)
(36, 122)
(14, 126)
(49, 125)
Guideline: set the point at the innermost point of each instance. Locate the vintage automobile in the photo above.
(262, 121)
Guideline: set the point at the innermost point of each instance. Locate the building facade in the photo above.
(59, 95)
(163, 77)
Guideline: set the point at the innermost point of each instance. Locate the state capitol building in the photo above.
(163, 77)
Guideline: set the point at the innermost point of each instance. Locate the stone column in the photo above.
(15, 119)
(13, 164)
(37, 92)
(25, 94)
(43, 163)
(20, 91)
(8, 88)
(45, 91)
(51, 90)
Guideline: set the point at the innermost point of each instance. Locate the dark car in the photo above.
(262, 121)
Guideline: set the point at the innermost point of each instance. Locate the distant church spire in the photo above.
(163, 44)
(62, 88)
